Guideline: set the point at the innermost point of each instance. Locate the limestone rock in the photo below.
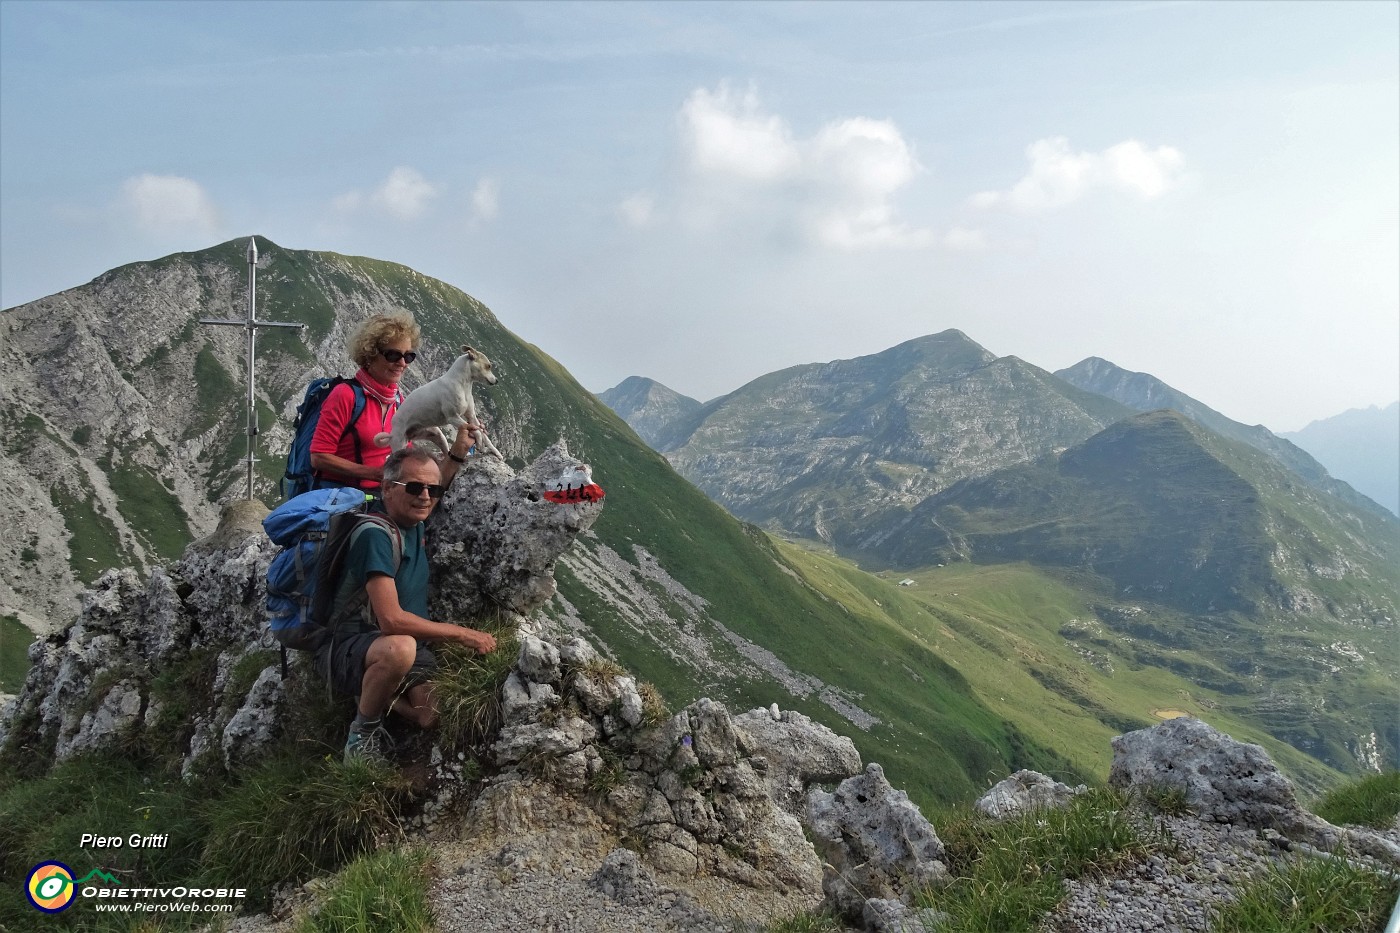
(258, 722)
(494, 539)
(1224, 780)
(875, 842)
(624, 878)
(538, 660)
(797, 752)
(118, 712)
(1231, 782)
(201, 616)
(1025, 791)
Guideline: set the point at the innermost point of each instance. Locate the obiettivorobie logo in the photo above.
(52, 888)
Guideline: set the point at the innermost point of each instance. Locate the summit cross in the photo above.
(251, 325)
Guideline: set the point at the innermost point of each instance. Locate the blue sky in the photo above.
(703, 193)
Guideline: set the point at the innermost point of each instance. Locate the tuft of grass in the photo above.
(1372, 801)
(1168, 801)
(654, 708)
(467, 687)
(181, 689)
(383, 892)
(601, 668)
(822, 921)
(291, 818)
(1310, 895)
(1006, 875)
(610, 774)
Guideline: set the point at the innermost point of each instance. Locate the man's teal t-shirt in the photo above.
(371, 552)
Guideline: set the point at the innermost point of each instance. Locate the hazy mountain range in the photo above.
(1101, 565)
(1361, 446)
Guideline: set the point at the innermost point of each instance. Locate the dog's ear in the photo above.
(471, 354)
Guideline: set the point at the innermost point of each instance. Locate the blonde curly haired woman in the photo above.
(344, 454)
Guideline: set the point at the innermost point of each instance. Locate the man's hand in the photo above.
(480, 642)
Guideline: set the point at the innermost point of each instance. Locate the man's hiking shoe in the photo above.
(374, 745)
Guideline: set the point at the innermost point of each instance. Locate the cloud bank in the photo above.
(744, 166)
(1059, 176)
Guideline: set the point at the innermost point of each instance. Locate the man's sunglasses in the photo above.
(416, 489)
(393, 356)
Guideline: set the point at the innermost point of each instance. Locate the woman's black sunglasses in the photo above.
(393, 356)
(416, 489)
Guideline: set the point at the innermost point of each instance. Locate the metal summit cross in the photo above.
(251, 325)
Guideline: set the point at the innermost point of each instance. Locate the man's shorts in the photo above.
(341, 661)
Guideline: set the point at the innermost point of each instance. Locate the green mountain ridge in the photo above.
(1165, 508)
(1144, 392)
(1247, 581)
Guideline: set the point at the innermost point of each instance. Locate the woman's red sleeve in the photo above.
(335, 415)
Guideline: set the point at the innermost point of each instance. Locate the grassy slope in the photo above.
(15, 640)
(1001, 627)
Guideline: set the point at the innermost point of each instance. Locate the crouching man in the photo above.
(379, 624)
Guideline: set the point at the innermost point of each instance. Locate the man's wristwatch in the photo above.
(456, 458)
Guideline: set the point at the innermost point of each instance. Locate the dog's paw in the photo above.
(381, 440)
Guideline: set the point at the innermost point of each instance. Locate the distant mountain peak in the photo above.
(647, 406)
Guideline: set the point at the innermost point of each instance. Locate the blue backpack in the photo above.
(300, 477)
(315, 531)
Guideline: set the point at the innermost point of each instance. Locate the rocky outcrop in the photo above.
(877, 846)
(1025, 791)
(196, 631)
(694, 790)
(180, 663)
(495, 538)
(1223, 780)
(1232, 782)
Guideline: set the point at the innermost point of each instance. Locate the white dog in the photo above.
(445, 400)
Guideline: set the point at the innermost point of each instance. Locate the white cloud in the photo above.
(405, 193)
(1059, 176)
(486, 199)
(725, 133)
(836, 188)
(163, 203)
(638, 209)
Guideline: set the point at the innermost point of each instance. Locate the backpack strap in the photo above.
(356, 410)
(388, 525)
(366, 520)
